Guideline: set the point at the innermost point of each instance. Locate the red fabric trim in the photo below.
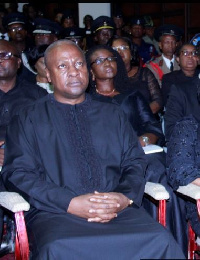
(157, 69)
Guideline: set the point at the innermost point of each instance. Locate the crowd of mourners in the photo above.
(135, 75)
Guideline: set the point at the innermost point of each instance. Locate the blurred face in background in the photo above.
(168, 45)
(17, 32)
(137, 31)
(149, 31)
(44, 38)
(102, 36)
(122, 47)
(58, 17)
(119, 22)
(68, 22)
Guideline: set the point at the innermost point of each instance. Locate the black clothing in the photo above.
(173, 78)
(182, 101)
(138, 111)
(11, 103)
(143, 121)
(146, 51)
(15, 99)
(60, 151)
(25, 71)
(145, 82)
(183, 161)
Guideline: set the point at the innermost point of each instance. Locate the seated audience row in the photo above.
(120, 75)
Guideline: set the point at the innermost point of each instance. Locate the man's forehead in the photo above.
(66, 49)
(105, 30)
(168, 36)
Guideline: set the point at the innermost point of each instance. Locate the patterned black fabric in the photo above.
(77, 131)
(183, 161)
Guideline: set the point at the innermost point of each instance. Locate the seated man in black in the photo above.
(79, 164)
(14, 93)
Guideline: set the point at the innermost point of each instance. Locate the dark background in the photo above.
(185, 15)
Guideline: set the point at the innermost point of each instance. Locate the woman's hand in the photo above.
(152, 139)
(196, 182)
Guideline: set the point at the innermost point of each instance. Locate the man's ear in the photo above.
(95, 38)
(48, 75)
(93, 76)
(160, 45)
(19, 62)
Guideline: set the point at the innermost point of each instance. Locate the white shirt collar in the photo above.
(167, 61)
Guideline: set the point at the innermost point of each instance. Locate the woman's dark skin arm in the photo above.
(156, 95)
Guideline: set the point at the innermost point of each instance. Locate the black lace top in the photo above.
(145, 81)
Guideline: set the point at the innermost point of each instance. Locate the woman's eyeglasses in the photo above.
(189, 53)
(99, 61)
(7, 55)
(121, 48)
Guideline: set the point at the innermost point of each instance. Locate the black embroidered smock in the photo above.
(55, 152)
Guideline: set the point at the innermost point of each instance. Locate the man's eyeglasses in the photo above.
(99, 61)
(189, 53)
(16, 29)
(7, 55)
(121, 48)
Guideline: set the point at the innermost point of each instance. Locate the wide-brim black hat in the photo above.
(13, 18)
(168, 29)
(68, 14)
(102, 22)
(46, 26)
(72, 32)
(137, 21)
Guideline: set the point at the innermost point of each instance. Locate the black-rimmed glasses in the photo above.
(99, 61)
(7, 55)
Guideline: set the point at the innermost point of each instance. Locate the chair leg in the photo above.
(192, 246)
(162, 212)
(17, 249)
(22, 246)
